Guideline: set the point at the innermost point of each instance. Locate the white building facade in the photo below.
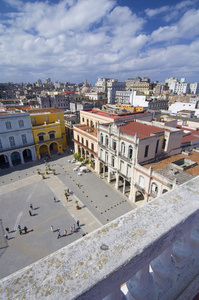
(16, 139)
(121, 151)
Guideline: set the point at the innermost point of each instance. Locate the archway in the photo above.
(43, 150)
(27, 155)
(53, 148)
(164, 191)
(139, 196)
(15, 157)
(4, 162)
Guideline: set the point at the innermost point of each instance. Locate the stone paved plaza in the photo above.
(22, 186)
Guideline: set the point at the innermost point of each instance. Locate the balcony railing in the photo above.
(152, 251)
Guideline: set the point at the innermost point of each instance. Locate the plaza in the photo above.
(21, 186)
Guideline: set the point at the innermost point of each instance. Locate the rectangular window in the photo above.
(8, 125)
(122, 166)
(12, 141)
(114, 145)
(33, 121)
(156, 149)
(21, 123)
(164, 144)
(47, 119)
(146, 151)
(128, 173)
(106, 157)
(92, 146)
(0, 145)
(101, 153)
(24, 139)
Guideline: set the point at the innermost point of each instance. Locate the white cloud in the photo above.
(187, 28)
(84, 39)
(153, 12)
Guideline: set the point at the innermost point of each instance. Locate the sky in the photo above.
(75, 40)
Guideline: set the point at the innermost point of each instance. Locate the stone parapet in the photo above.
(152, 251)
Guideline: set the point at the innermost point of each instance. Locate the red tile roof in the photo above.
(189, 138)
(142, 130)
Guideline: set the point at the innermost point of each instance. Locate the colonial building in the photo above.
(125, 146)
(16, 139)
(48, 129)
(85, 133)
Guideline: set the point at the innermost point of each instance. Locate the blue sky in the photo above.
(74, 40)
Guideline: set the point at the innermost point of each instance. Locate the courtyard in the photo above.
(21, 186)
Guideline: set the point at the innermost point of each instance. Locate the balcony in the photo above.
(152, 252)
(124, 157)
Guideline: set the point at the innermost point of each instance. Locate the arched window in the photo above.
(82, 140)
(122, 148)
(41, 136)
(154, 188)
(130, 152)
(106, 140)
(78, 138)
(86, 143)
(101, 138)
(52, 135)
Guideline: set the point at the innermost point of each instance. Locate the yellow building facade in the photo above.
(130, 107)
(48, 129)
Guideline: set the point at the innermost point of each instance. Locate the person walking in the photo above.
(7, 229)
(51, 227)
(59, 235)
(55, 199)
(31, 207)
(78, 223)
(65, 232)
(71, 229)
(25, 229)
(20, 232)
(6, 236)
(30, 213)
(74, 227)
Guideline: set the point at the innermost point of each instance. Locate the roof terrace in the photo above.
(148, 253)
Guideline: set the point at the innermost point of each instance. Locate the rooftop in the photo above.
(142, 130)
(87, 129)
(44, 111)
(165, 168)
(111, 115)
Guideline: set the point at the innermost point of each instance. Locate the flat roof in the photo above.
(112, 115)
(44, 110)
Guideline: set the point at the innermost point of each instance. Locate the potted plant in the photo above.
(77, 206)
(49, 169)
(46, 171)
(42, 174)
(65, 192)
(54, 172)
(38, 171)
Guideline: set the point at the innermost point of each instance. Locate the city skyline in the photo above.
(77, 40)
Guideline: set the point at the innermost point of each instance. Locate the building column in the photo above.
(21, 156)
(124, 186)
(10, 160)
(117, 180)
